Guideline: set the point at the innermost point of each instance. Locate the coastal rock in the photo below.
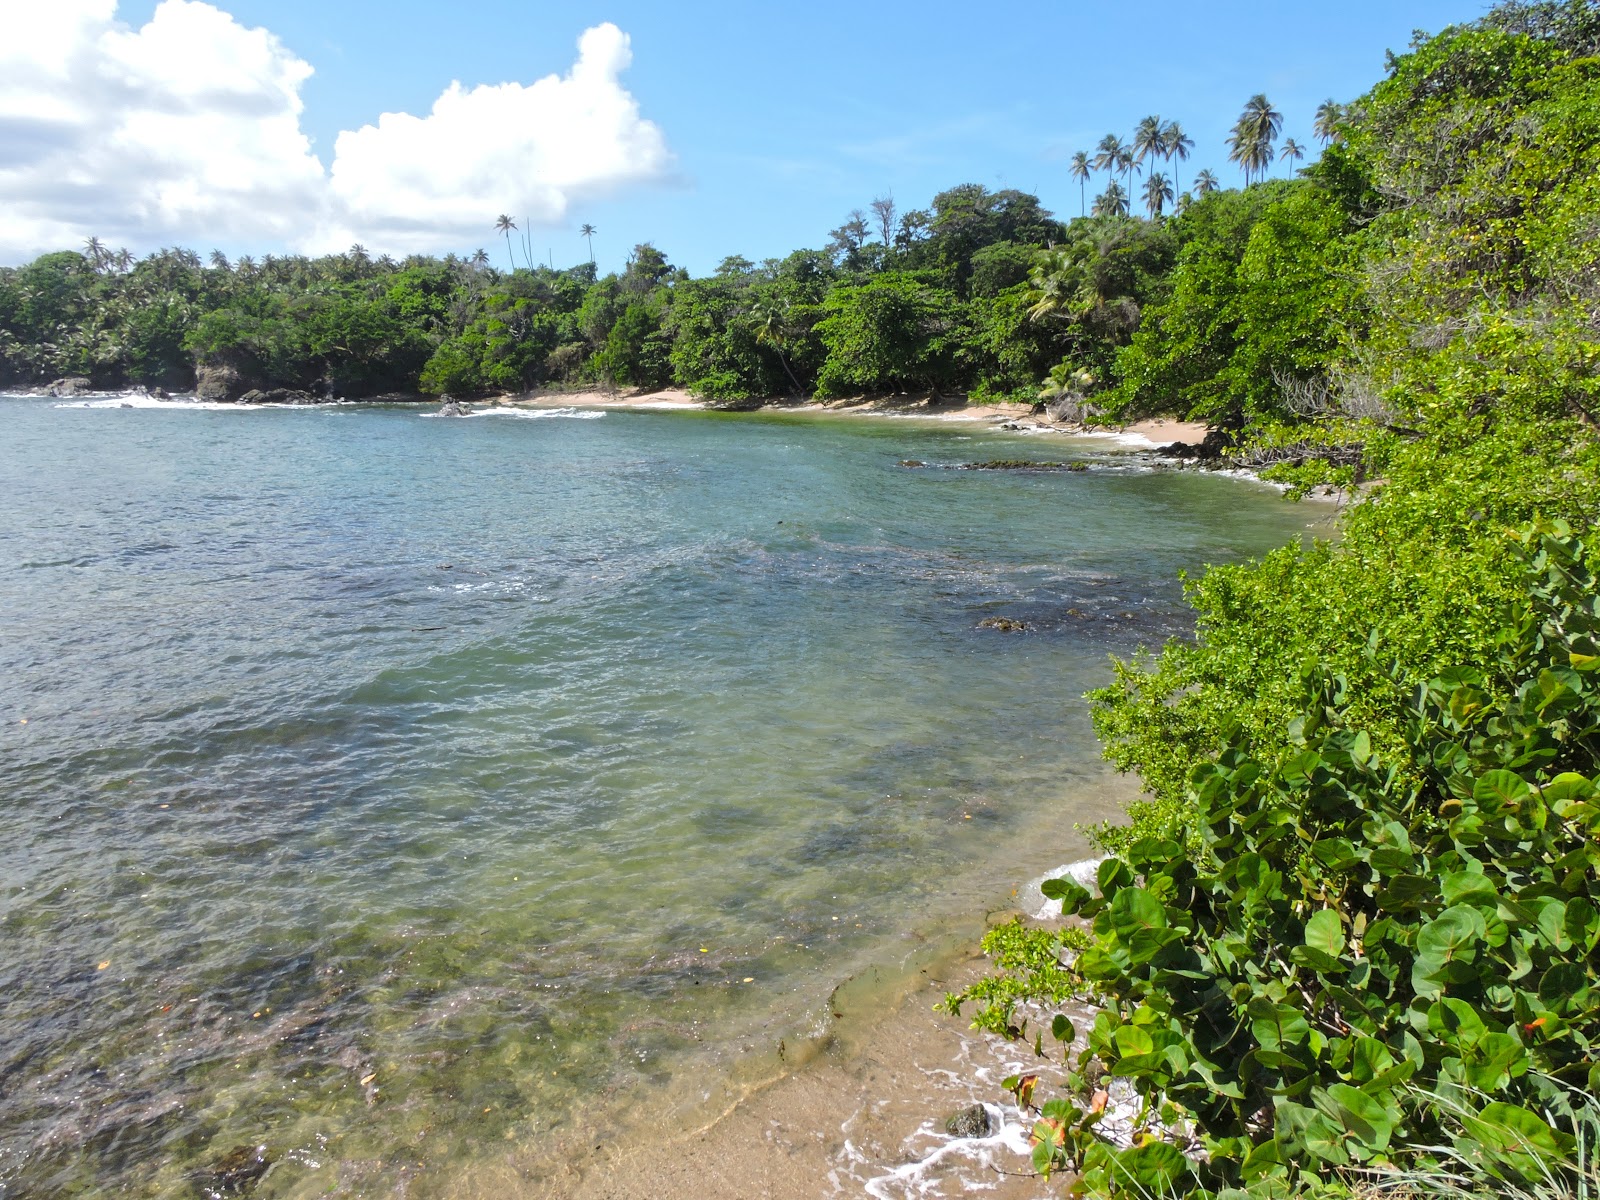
(72, 385)
(277, 396)
(970, 1122)
(454, 408)
(219, 384)
(1003, 624)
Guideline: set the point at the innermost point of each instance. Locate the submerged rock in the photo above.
(1004, 624)
(236, 1172)
(72, 385)
(1021, 464)
(970, 1122)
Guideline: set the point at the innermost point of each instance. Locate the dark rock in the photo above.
(912, 462)
(1021, 464)
(236, 1172)
(72, 385)
(277, 396)
(1003, 624)
(970, 1122)
(219, 384)
(160, 393)
(454, 408)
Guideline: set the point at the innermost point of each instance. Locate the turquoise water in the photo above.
(394, 793)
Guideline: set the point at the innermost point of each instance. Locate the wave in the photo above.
(141, 400)
(531, 414)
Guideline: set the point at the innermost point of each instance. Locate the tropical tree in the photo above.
(772, 329)
(587, 231)
(1206, 182)
(95, 250)
(1149, 140)
(1081, 170)
(1176, 143)
(1327, 120)
(219, 260)
(1157, 194)
(504, 225)
(479, 259)
(1292, 150)
(1112, 155)
(1113, 202)
(1254, 136)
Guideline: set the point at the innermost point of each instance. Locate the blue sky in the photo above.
(780, 119)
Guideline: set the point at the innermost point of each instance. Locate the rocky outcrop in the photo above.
(72, 385)
(454, 408)
(278, 396)
(219, 383)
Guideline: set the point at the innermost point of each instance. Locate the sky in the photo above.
(707, 128)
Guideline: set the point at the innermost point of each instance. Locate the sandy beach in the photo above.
(1153, 433)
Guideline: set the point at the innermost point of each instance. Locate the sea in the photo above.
(385, 794)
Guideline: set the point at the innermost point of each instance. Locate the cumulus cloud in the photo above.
(188, 130)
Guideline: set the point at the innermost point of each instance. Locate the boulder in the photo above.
(72, 385)
(220, 383)
(277, 396)
(454, 408)
(970, 1122)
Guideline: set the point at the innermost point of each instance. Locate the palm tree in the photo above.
(1157, 194)
(1113, 202)
(95, 250)
(1110, 154)
(772, 328)
(504, 225)
(1081, 169)
(1178, 144)
(479, 259)
(1292, 150)
(1327, 121)
(1205, 183)
(219, 260)
(1149, 140)
(1251, 142)
(588, 231)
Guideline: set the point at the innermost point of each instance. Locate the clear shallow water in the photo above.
(397, 793)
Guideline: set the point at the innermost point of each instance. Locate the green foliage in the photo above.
(1366, 958)
(893, 333)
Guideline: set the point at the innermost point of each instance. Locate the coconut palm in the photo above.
(1327, 121)
(1292, 150)
(95, 250)
(1177, 143)
(1254, 135)
(1157, 194)
(1206, 182)
(1113, 202)
(1081, 169)
(479, 259)
(1149, 140)
(219, 260)
(772, 329)
(588, 231)
(504, 225)
(1113, 155)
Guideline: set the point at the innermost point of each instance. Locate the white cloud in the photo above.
(188, 131)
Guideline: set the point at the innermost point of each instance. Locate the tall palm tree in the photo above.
(1157, 194)
(1149, 140)
(479, 259)
(1113, 202)
(1177, 143)
(1327, 121)
(1254, 136)
(772, 329)
(1112, 156)
(504, 225)
(1292, 150)
(1081, 169)
(1206, 182)
(588, 231)
(95, 250)
(219, 260)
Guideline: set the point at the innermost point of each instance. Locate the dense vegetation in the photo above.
(1351, 937)
(982, 294)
